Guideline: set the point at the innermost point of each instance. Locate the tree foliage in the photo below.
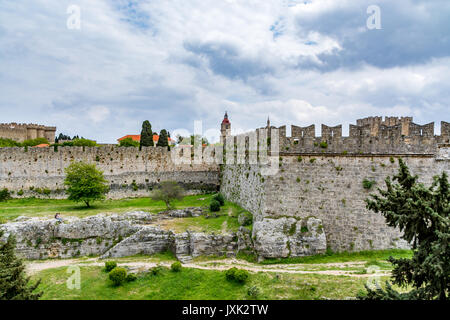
(167, 192)
(163, 140)
(14, 284)
(422, 214)
(85, 183)
(146, 135)
(128, 142)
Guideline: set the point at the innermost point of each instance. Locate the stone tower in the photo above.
(225, 128)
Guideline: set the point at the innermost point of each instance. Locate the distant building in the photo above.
(225, 128)
(22, 132)
(137, 137)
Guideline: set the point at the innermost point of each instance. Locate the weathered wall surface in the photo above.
(130, 171)
(329, 188)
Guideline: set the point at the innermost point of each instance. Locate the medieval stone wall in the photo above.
(130, 172)
(330, 188)
(369, 136)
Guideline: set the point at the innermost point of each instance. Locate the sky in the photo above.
(176, 61)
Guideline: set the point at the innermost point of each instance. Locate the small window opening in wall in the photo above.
(421, 132)
(303, 134)
(332, 134)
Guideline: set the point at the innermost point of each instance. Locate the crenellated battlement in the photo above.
(373, 135)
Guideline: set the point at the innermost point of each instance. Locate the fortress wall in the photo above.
(329, 188)
(369, 136)
(129, 171)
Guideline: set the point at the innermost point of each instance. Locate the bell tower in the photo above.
(225, 128)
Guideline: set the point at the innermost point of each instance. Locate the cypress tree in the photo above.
(14, 284)
(163, 139)
(423, 215)
(146, 135)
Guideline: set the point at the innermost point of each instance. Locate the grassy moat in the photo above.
(32, 207)
(327, 276)
(332, 276)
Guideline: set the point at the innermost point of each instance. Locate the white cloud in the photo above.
(194, 60)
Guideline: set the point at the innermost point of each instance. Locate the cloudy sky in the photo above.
(176, 61)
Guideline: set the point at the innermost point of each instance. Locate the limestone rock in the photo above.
(288, 237)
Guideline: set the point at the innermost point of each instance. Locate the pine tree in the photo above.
(422, 214)
(146, 135)
(163, 140)
(14, 284)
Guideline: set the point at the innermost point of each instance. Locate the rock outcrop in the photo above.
(128, 234)
(288, 237)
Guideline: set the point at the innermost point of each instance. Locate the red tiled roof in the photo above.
(137, 137)
(42, 145)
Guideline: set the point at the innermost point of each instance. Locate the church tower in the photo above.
(225, 128)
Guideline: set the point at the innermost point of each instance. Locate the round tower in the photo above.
(225, 128)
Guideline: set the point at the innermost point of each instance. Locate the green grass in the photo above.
(197, 284)
(47, 207)
(226, 221)
(370, 256)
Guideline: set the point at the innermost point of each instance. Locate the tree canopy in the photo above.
(167, 192)
(85, 183)
(146, 135)
(14, 284)
(422, 214)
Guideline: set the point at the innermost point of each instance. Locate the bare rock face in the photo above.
(288, 237)
(128, 234)
(111, 236)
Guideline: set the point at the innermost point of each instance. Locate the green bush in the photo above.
(176, 266)
(253, 292)
(5, 195)
(237, 275)
(118, 276)
(110, 265)
(219, 198)
(214, 206)
(131, 277)
(368, 184)
(156, 270)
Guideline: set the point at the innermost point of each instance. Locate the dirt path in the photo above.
(220, 265)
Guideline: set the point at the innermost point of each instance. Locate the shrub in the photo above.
(219, 198)
(20, 193)
(253, 292)
(229, 274)
(176, 266)
(245, 219)
(5, 195)
(368, 184)
(167, 192)
(156, 270)
(324, 145)
(237, 275)
(131, 277)
(118, 276)
(110, 265)
(214, 206)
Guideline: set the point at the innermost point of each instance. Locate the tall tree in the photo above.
(146, 135)
(423, 215)
(14, 284)
(163, 140)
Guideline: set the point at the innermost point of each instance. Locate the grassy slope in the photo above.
(48, 207)
(197, 284)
